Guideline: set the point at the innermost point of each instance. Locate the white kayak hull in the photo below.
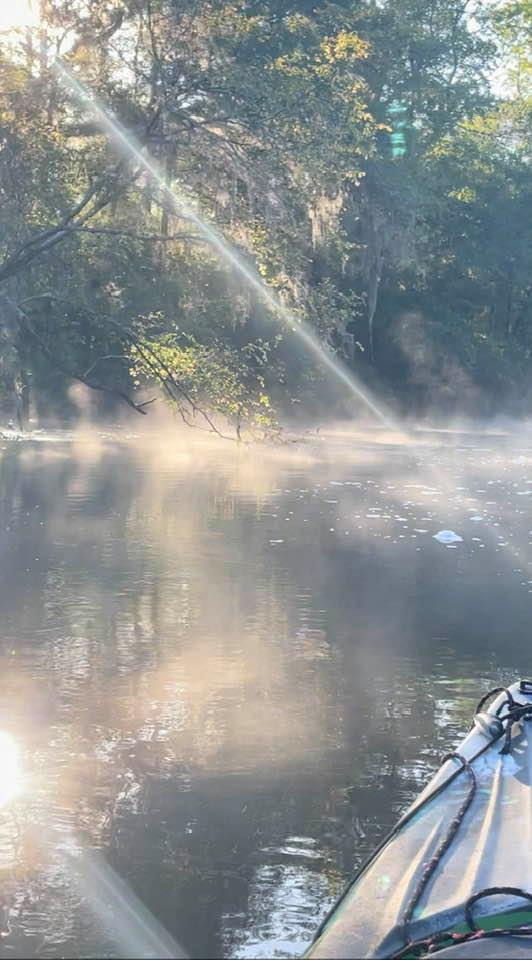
(490, 845)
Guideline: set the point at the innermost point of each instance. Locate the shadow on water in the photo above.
(231, 669)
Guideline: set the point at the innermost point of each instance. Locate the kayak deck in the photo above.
(469, 832)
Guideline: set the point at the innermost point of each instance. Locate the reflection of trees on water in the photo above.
(192, 698)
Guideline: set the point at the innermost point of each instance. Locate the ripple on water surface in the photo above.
(231, 670)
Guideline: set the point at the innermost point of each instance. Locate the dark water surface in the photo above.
(230, 670)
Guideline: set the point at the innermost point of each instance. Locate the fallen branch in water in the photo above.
(185, 405)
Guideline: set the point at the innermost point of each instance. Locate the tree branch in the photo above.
(33, 247)
(161, 372)
(159, 237)
(23, 321)
(82, 211)
(108, 356)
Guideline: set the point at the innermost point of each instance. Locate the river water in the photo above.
(230, 669)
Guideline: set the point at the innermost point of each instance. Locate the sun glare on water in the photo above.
(18, 13)
(10, 773)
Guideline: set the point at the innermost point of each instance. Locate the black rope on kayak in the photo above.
(430, 945)
(492, 693)
(515, 714)
(432, 865)
(515, 711)
(492, 892)
(403, 822)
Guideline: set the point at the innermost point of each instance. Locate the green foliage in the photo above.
(223, 380)
(353, 152)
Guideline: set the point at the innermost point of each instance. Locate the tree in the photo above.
(199, 83)
(353, 153)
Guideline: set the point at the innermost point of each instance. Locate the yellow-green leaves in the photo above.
(345, 46)
(220, 379)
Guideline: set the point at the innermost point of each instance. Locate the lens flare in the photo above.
(127, 143)
(131, 925)
(10, 774)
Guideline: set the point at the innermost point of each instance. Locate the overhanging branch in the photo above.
(157, 237)
(20, 317)
(181, 399)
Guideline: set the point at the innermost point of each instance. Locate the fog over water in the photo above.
(231, 668)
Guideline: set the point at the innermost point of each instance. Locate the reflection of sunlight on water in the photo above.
(10, 775)
(208, 627)
(286, 903)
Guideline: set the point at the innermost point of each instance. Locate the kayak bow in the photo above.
(455, 875)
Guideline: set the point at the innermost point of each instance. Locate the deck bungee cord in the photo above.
(504, 722)
(430, 945)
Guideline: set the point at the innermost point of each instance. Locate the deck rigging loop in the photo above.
(494, 724)
(492, 892)
(430, 946)
(515, 713)
(432, 865)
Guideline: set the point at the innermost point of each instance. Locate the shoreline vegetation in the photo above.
(359, 157)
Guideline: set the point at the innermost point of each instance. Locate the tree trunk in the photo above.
(509, 304)
(18, 391)
(11, 377)
(374, 282)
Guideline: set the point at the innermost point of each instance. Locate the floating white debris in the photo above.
(276, 541)
(448, 536)
(476, 519)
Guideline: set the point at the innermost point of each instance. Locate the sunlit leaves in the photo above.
(223, 380)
